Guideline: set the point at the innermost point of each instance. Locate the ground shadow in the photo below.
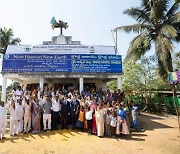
(148, 123)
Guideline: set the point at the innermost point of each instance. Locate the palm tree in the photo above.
(159, 25)
(6, 38)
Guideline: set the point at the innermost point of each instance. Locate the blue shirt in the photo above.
(121, 113)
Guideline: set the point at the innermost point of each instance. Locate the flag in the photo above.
(174, 77)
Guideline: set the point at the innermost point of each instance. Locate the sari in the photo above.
(122, 126)
(100, 121)
(36, 121)
(94, 127)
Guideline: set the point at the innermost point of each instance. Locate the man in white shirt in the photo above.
(3, 120)
(13, 119)
(27, 116)
(19, 93)
(88, 116)
(13, 94)
(27, 95)
(55, 112)
(20, 109)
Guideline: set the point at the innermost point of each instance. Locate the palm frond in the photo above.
(173, 19)
(163, 52)
(138, 47)
(169, 64)
(139, 14)
(161, 9)
(145, 6)
(163, 46)
(15, 41)
(6, 38)
(169, 30)
(162, 70)
(135, 28)
(173, 9)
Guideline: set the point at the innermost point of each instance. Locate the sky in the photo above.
(90, 21)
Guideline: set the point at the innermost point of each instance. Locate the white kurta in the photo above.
(13, 120)
(3, 121)
(20, 109)
(27, 117)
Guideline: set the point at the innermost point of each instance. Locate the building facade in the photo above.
(61, 63)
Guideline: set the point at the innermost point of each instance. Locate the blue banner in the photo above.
(77, 63)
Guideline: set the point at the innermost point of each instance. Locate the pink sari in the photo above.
(122, 126)
(94, 127)
(37, 118)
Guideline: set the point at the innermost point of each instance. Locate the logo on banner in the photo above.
(6, 56)
(27, 49)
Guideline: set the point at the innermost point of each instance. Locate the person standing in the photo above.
(27, 116)
(113, 124)
(122, 126)
(41, 102)
(81, 119)
(74, 109)
(93, 109)
(55, 112)
(19, 93)
(65, 110)
(37, 109)
(100, 121)
(3, 120)
(107, 123)
(88, 116)
(20, 110)
(47, 113)
(134, 113)
(13, 119)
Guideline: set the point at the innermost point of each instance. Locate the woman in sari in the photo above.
(36, 123)
(122, 126)
(93, 108)
(100, 113)
(127, 114)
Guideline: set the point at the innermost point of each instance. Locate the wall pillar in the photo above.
(119, 84)
(4, 84)
(41, 83)
(81, 85)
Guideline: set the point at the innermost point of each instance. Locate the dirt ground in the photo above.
(161, 136)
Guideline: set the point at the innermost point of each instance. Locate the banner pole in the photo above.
(176, 107)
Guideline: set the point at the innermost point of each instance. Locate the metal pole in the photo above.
(61, 30)
(175, 105)
(116, 41)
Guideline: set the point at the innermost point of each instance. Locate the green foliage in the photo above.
(176, 61)
(156, 104)
(158, 23)
(6, 38)
(142, 76)
(11, 86)
(112, 85)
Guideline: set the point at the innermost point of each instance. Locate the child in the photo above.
(89, 120)
(107, 123)
(113, 124)
(81, 119)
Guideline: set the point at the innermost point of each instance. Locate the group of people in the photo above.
(102, 113)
